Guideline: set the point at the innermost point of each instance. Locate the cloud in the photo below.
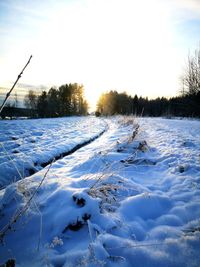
(32, 87)
(20, 90)
(186, 9)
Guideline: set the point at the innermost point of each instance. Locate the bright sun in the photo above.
(108, 45)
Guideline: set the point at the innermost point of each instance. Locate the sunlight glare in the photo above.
(107, 44)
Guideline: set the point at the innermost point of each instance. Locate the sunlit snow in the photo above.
(129, 198)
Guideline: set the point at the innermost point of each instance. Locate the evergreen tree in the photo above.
(42, 105)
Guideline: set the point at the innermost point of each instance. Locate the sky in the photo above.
(127, 45)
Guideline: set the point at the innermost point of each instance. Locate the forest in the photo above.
(112, 103)
(186, 104)
(67, 100)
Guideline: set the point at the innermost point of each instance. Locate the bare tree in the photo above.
(30, 100)
(191, 78)
(16, 102)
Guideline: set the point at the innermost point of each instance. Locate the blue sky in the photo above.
(138, 46)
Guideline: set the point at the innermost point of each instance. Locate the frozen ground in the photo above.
(130, 198)
(29, 145)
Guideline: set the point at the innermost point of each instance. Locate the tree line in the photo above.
(187, 104)
(67, 100)
(112, 103)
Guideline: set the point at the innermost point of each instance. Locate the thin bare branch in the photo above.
(18, 77)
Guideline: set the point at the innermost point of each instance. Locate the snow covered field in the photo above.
(129, 198)
(28, 145)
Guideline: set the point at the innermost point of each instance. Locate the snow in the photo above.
(129, 198)
(27, 145)
(146, 206)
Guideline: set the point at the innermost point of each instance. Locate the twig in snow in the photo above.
(24, 209)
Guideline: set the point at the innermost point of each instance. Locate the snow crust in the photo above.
(119, 201)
